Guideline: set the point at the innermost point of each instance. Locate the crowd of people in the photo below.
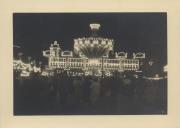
(72, 93)
(88, 88)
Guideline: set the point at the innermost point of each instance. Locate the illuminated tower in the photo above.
(53, 54)
(93, 46)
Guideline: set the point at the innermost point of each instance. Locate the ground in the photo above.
(129, 96)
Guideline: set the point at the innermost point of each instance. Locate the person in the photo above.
(105, 87)
(86, 89)
(77, 85)
(64, 88)
(95, 90)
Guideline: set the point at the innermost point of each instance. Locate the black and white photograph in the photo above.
(90, 63)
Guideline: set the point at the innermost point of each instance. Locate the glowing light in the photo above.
(139, 55)
(136, 76)
(108, 74)
(25, 74)
(95, 26)
(165, 68)
(157, 77)
(36, 69)
(93, 61)
(44, 73)
(67, 53)
(121, 55)
(95, 49)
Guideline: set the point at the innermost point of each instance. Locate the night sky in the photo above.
(132, 32)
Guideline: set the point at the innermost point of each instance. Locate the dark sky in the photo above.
(132, 32)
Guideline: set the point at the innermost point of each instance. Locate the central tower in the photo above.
(94, 46)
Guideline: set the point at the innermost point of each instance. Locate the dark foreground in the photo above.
(88, 96)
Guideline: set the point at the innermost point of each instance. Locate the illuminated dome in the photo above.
(94, 46)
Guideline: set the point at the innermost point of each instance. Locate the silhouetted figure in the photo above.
(95, 90)
(106, 87)
(77, 84)
(64, 88)
(86, 89)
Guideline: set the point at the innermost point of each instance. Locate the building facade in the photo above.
(91, 54)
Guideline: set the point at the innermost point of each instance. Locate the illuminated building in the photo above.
(25, 68)
(91, 54)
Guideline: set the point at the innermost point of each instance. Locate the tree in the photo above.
(29, 59)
